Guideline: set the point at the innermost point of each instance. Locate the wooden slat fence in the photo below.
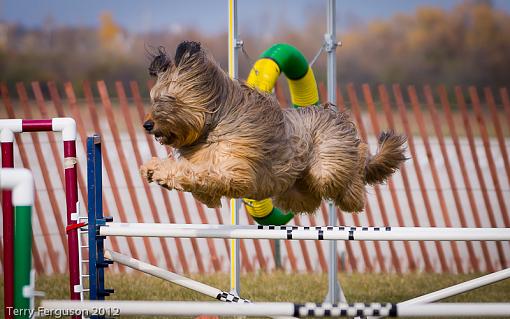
(458, 175)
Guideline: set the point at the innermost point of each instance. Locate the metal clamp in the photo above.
(329, 44)
(105, 292)
(238, 43)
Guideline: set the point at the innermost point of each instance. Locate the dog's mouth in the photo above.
(166, 139)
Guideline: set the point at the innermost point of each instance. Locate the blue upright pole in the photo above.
(92, 224)
(97, 262)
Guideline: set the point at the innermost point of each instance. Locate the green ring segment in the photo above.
(275, 217)
(292, 62)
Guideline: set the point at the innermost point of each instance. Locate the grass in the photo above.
(278, 286)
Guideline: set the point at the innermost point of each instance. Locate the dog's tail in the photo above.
(388, 158)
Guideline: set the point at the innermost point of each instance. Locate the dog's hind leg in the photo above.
(297, 202)
(298, 199)
(332, 167)
(353, 199)
(335, 153)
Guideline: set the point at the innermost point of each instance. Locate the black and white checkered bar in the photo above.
(345, 310)
(337, 228)
(228, 297)
(320, 229)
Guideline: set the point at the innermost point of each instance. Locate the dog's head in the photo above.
(183, 95)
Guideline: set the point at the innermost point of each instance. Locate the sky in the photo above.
(207, 16)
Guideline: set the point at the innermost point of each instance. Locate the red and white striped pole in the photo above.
(67, 126)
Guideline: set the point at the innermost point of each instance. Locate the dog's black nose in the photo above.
(148, 125)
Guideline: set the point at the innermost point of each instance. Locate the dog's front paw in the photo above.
(166, 177)
(147, 170)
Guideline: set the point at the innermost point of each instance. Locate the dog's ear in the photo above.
(189, 47)
(160, 61)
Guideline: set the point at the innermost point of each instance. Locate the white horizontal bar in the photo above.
(209, 233)
(186, 226)
(338, 233)
(454, 309)
(169, 308)
(276, 227)
(293, 227)
(267, 227)
(190, 308)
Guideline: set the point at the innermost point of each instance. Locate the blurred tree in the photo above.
(109, 31)
(467, 44)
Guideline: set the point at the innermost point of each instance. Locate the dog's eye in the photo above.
(164, 101)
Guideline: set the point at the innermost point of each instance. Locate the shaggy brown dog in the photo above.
(235, 141)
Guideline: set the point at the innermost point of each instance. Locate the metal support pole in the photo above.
(277, 254)
(233, 54)
(335, 293)
(235, 262)
(330, 41)
(233, 40)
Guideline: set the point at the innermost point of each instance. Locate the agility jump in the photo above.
(99, 227)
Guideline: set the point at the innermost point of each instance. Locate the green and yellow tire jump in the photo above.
(303, 91)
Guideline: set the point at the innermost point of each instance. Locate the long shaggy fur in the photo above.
(235, 141)
(382, 164)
